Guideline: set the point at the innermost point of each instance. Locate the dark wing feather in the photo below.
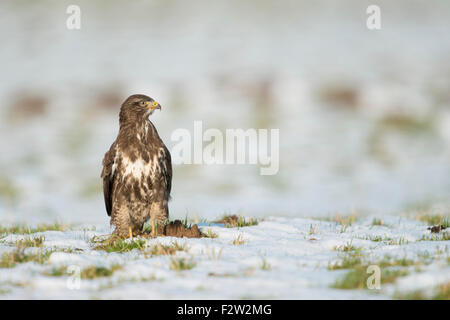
(108, 176)
(168, 170)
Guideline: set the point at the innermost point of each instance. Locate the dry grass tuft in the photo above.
(30, 242)
(22, 229)
(238, 241)
(117, 244)
(165, 250)
(234, 221)
(179, 264)
(90, 272)
(12, 258)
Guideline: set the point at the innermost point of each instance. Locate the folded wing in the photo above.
(108, 176)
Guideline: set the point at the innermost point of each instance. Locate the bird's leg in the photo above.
(153, 228)
(131, 233)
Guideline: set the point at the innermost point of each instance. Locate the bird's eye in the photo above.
(142, 103)
(155, 103)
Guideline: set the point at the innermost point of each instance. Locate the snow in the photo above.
(298, 263)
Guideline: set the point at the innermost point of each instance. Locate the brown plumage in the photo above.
(137, 170)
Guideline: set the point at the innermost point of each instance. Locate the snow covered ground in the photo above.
(363, 116)
(280, 258)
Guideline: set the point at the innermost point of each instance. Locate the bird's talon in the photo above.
(130, 232)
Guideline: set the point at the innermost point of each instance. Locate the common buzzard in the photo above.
(137, 170)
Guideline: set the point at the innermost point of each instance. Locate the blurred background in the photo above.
(364, 115)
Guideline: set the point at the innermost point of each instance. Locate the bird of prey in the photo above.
(137, 170)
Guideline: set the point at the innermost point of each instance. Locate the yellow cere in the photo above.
(155, 103)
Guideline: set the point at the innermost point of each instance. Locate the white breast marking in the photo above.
(136, 168)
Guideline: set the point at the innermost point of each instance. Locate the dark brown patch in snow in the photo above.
(230, 220)
(437, 229)
(27, 106)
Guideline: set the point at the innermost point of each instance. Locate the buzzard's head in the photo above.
(138, 107)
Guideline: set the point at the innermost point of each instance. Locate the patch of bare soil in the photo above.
(230, 220)
(437, 229)
(27, 106)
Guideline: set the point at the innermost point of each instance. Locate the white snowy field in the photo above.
(363, 116)
(280, 258)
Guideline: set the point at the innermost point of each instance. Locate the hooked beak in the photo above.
(153, 106)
